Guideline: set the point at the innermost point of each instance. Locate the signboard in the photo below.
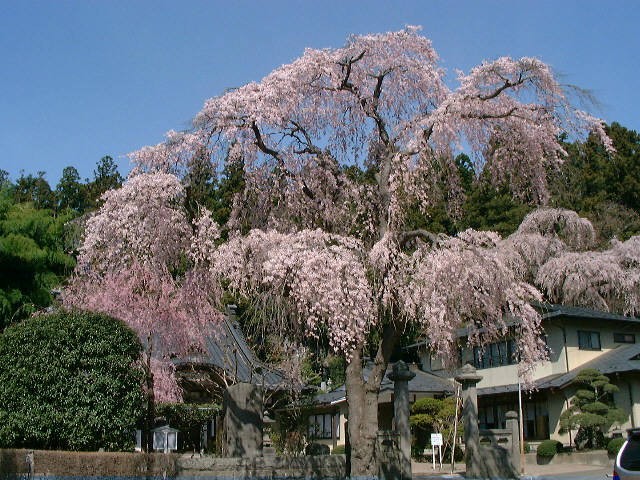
(436, 441)
(165, 439)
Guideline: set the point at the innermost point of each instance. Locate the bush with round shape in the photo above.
(71, 381)
(549, 448)
(614, 445)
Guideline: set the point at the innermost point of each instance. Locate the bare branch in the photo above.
(346, 65)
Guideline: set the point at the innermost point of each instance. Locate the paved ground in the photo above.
(532, 472)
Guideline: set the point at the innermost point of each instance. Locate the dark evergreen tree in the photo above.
(34, 189)
(70, 192)
(4, 179)
(229, 186)
(603, 187)
(200, 185)
(488, 208)
(105, 177)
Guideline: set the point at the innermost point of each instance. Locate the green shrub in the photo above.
(614, 445)
(338, 450)
(549, 448)
(527, 448)
(70, 381)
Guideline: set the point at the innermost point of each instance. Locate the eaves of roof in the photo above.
(423, 382)
(550, 311)
(625, 358)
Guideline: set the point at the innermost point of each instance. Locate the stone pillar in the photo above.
(400, 375)
(514, 427)
(243, 421)
(469, 378)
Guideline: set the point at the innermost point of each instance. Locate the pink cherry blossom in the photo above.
(126, 269)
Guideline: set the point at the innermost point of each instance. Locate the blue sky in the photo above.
(82, 79)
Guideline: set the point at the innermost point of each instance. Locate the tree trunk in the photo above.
(363, 404)
(363, 421)
(147, 435)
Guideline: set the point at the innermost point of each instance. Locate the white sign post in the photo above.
(436, 440)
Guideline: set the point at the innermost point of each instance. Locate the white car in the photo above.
(627, 466)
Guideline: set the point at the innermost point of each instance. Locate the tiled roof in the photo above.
(625, 358)
(550, 311)
(328, 398)
(226, 348)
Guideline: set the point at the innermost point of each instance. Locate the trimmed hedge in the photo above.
(89, 464)
(549, 448)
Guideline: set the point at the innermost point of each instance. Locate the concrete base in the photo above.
(595, 457)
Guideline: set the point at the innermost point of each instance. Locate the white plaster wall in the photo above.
(557, 404)
(623, 401)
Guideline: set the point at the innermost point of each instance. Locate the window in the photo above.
(624, 337)
(495, 354)
(320, 425)
(630, 453)
(588, 340)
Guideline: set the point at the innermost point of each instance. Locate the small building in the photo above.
(225, 361)
(165, 439)
(577, 338)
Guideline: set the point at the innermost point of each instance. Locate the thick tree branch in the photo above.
(310, 147)
(432, 238)
(507, 84)
(486, 116)
(346, 66)
(260, 142)
(390, 336)
(385, 194)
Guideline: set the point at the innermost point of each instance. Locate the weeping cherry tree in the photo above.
(330, 253)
